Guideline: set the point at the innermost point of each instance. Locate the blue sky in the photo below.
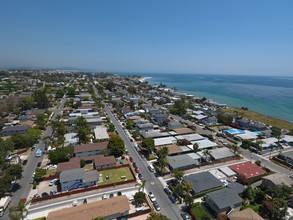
(230, 37)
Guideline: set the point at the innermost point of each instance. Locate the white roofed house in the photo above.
(101, 133)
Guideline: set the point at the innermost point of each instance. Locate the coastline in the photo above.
(250, 114)
(142, 79)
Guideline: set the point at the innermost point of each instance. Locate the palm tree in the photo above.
(82, 129)
(162, 163)
(18, 212)
(235, 149)
(177, 174)
(206, 154)
(141, 185)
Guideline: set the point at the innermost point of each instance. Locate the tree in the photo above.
(82, 128)
(148, 144)
(18, 212)
(206, 154)
(279, 209)
(277, 133)
(14, 171)
(41, 99)
(257, 162)
(177, 174)
(246, 144)
(59, 93)
(71, 91)
(27, 102)
(5, 182)
(131, 90)
(139, 198)
(188, 200)
(62, 154)
(82, 163)
(163, 152)
(195, 147)
(235, 149)
(179, 108)
(224, 118)
(5, 147)
(111, 128)
(162, 163)
(39, 173)
(157, 216)
(116, 145)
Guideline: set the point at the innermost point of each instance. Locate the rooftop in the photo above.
(245, 214)
(116, 205)
(90, 147)
(70, 175)
(221, 153)
(248, 169)
(180, 161)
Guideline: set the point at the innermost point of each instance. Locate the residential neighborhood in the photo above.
(105, 146)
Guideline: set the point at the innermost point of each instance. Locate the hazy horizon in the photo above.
(196, 37)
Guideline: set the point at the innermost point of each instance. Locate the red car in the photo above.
(136, 170)
(130, 159)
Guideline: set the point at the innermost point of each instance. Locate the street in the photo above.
(29, 168)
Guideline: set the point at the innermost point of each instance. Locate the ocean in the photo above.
(268, 95)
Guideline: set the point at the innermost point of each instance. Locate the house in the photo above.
(203, 181)
(277, 179)
(11, 130)
(204, 144)
(66, 166)
(183, 161)
(99, 161)
(113, 208)
(145, 127)
(212, 120)
(101, 133)
(245, 214)
(85, 150)
(287, 156)
(174, 124)
(160, 118)
(223, 200)
(242, 122)
(221, 153)
(164, 141)
(77, 178)
(248, 169)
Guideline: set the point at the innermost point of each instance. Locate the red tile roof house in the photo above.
(85, 150)
(248, 169)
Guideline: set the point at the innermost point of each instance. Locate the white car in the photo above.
(152, 197)
(53, 182)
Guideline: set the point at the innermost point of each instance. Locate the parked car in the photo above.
(131, 159)
(185, 216)
(119, 193)
(152, 197)
(24, 162)
(172, 198)
(36, 196)
(156, 205)
(140, 176)
(167, 191)
(104, 197)
(32, 180)
(111, 195)
(45, 195)
(53, 182)
(136, 170)
(134, 164)
(39, 164)
(53, 192)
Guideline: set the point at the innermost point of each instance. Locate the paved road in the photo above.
(29, 168)
(152, 184)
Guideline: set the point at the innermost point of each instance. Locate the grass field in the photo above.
(115, 175)
(200, 213)
(261, 118)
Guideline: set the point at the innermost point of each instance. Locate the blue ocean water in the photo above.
(268, 95)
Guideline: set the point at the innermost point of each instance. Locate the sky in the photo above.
(161, 36)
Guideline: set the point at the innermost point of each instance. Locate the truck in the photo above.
(4, 202)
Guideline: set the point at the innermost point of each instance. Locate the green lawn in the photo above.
(200, 213)
(115, 175)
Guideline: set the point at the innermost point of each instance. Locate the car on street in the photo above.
(185, 216)
(172, 198)
(111, 195)
(131, 159)
(39, 164)
(156, 205)
(134, 164)
(24, 162)
(36, 196)
(152, 197)
(32, 180)
(104, 196)
(136, 170)
(167, 191)
(140, 176)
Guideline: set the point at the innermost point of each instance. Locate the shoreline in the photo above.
(252, 115)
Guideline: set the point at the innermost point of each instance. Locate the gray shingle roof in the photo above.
(70, 175)
(203, 181)
(224, 198)
(179, 161)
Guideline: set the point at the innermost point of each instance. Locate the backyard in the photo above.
(114, 175)
(198, 213)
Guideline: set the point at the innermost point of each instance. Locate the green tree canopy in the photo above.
(82, 129)
(116, 145)
(62, 154)
(224, 118)
(71, 91)
(139, 198)
(148, 144)
(179, 108)
(27, 102)
(60, 93)
(157, 216)
(41, 99)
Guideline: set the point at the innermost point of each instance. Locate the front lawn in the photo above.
(115, 175)
(197, 212)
